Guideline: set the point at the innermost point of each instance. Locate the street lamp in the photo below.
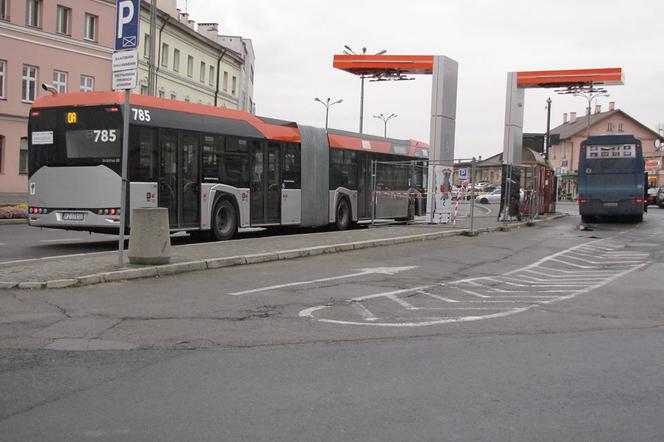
(385, 120)
(349, 51)
(590, 93)
(327, 105)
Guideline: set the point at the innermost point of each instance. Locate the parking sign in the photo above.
(127, 20)
(463, 174)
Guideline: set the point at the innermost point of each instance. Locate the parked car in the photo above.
(494, 197)
(652, 195)
(489, 198)
(659, 199)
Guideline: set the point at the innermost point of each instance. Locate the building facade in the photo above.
(69, 44)
(245, 48)
(188, 64)
(567, 138)
(65, 43)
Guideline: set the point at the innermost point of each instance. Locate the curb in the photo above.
(217, 263)
(13, 221)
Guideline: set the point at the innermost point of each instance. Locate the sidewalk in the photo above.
(95, 268)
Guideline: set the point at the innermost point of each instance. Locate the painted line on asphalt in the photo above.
(61, 240)
(580, 284)
(363, 272)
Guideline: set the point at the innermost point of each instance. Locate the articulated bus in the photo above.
(214, 169)
(611, 179)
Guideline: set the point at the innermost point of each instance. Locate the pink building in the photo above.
(564, 155)
(66, 43)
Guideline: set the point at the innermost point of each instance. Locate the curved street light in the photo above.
(349, 51)
(327, 105)
(385, 119)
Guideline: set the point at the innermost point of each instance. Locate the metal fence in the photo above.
(461, 199)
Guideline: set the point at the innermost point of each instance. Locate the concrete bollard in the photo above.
(150, 240)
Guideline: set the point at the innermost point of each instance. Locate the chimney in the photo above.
(209, 30)
(565, 118)
(572, 117)
(184, 17)
(598, 108)
(191, 24)
(612, 105)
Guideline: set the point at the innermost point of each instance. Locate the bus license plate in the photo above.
(73, 216)
(610, 204)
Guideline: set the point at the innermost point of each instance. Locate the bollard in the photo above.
(150, 240)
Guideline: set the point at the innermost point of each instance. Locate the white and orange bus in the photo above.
(214, 169)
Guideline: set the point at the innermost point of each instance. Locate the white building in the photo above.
(189, 64)
(245, 48)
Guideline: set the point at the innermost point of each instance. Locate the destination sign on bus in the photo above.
(605, 152)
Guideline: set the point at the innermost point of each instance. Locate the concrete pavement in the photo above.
(95, 268)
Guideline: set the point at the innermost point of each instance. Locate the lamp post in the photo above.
(349, 51)
(547, 147)
(385, 120)
(327, 105)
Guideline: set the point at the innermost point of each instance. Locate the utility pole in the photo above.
(547, 147)
(349, 51)
(151, 59)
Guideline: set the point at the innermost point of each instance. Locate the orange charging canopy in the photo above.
(569, 77)
(379, 65)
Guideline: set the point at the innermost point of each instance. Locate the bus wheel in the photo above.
(343, 214)
(586, 219)
(224, 220)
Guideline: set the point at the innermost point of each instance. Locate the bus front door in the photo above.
(265, 198)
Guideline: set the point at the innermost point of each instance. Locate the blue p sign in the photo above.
(127, 19)
(463, 174)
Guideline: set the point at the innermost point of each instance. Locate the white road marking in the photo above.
(362, 272)
(61, 240)
(561, 283)
(438, 297)
(364, 312)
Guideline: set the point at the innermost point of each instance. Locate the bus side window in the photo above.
(350, 169)
(213, 149)
(235, 163)
(143, 154)
(336, 168)
(291, 166)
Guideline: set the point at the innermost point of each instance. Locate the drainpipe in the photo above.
(216, 92)
(156, 72)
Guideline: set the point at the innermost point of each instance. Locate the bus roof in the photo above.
(270, 128)
(610, 139)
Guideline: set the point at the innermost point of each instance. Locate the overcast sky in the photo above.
(295, 41)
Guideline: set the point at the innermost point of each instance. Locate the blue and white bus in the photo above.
(611, 178)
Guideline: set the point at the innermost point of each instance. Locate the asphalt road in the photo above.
(545, 333)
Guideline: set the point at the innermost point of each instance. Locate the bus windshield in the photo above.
(75, 137)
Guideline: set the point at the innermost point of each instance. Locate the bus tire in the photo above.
(343, 215)
(484, 201)
(638, 218)
(586, 219)
(224, 220)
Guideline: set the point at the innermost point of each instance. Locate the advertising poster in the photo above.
(443, 204)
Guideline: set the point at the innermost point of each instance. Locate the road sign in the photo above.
(125, 60)
(124, 79)
(127, 21)
(463, 173)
